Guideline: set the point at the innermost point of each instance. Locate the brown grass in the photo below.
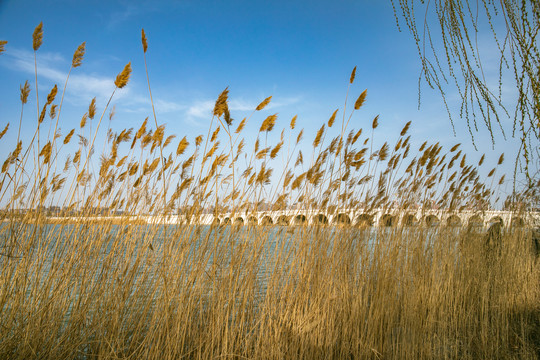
(86, 283)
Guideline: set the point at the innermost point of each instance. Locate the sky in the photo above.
(300, 52)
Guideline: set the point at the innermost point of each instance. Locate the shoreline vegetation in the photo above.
(86, 289)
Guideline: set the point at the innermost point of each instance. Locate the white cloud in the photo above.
(282, 102)
(203, 109)
(200, 109)
(119, 17)
(81, 87)
(165, 106)
(131, 9)
(241, 105)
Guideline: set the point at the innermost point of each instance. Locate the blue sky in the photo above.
(300, 52)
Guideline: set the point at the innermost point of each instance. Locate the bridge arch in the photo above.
(299, 219)
(238, 221)
(517, 222)
(319, 219)
(283, 220)
(432, 220)
(267, 220)
(226, 221)
(215, 221)
(342, 219)
(408, 220)
(388, 220)
(364, 220)
(475, 221)
(253, 221)
(496, 219)
(453, 220)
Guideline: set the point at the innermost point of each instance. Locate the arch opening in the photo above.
(364, 220)
(475, 222)
(342, 219)
(320, 219)
(267, 220)
(226, 221)
(238, 221)
(299, 219)
(408, 220)
(453, 220)
(496, 219)
(283, 220)
(517, 222)
(388, 220)
(432, 220)
(253, 221)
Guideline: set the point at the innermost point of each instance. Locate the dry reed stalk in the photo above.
(118, 286)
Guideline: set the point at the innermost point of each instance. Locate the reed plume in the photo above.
(481, 161)
(144, 42)
(263, 104)
(82, 124)
(78, 55)
(52, 94)
(25, 90)
(46, 152)
(221, 102)
(299, 137)
(353, 74)
(276, 150)
(332, 118)
(123, 78)
(182, 146)
(318, 137)
(268, 123)
(375, 123)
(241, 126)
(405, 129)
(4, 131)
(293, 122)
(214, 134)
(360, 101)
(37, 37)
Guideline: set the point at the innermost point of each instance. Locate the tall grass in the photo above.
(74, 285)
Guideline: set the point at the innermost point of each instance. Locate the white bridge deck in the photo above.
(357, 217)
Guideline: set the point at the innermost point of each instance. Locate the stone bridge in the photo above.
(361, 218)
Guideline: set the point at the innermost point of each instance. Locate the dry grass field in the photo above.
(121, 289)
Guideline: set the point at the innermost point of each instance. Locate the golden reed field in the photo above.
(75, 286)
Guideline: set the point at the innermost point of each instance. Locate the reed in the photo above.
(103, 276)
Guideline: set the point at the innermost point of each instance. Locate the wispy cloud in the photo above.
(282, 102)
(203, 109)
(118, 17)
(81, 87)
(165, 106)
(200, 110)
(132, 9)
